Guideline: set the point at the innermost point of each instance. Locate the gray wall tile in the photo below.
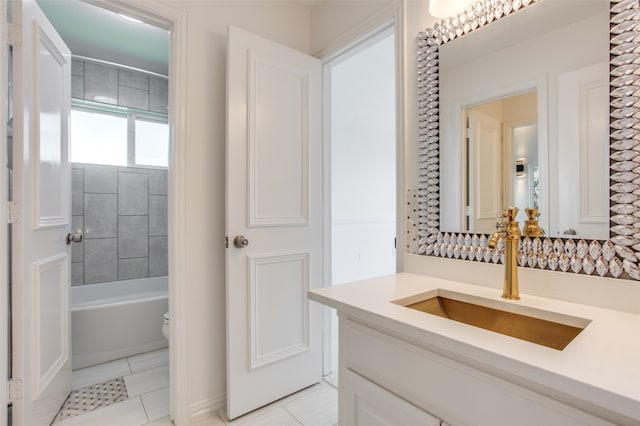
(133, 234)
(77, 191)
(100, 83)
(136, 79)
(77, 274)
(100, 216)
(77, 249)
(158, 258)
(158, 94)
(77, 86)
(136, 252)
(133, 98)
(129, 269)
(100, 179)
(158, 182)
(77, 67)
(157, 215)
(100, 260)
(133, 193)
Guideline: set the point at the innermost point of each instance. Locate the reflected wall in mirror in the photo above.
(559, 50)
(577, 61)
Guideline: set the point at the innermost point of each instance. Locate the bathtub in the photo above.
(116, 320)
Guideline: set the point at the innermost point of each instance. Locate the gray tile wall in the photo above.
(110, 84)
(123, 214)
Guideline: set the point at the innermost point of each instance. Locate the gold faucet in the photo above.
(509, 230)
(531, 227)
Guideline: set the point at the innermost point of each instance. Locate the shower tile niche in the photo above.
(123, 214)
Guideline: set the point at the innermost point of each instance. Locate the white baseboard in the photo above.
(208, 406)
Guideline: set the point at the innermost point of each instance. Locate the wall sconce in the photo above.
(446, 8)
(520, 168)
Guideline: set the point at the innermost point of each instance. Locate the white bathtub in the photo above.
(116, 320)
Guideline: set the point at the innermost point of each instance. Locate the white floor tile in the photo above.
(99, 373)
(165, 421)
(149, 360)
(147, 381)
(268, 408)
(210, 420)
(332, 379)
(125, 413)
(156, 403)
(273, 417)
(319, 408)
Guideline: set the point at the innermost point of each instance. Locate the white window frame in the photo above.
(131, 115)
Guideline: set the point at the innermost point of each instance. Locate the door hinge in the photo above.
(14, 212)
(15, 35)
(14, 390)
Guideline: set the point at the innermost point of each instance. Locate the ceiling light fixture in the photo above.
(446, 8)
(130, 19)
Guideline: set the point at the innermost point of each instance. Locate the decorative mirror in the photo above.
(533, 104)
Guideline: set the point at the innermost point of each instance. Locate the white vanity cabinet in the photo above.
(389, 379)
(399, 366)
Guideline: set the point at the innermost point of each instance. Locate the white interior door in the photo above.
(274, 200)
(485, 152)
(583, 140)
(40, 255)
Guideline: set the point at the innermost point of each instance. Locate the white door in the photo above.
(583, 140)
(485, 174)
(40, 255)
(274, 200)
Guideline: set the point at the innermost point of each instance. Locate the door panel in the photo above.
(274, 199)
(277, 333)
(49, 65)
(278, 144)
(486, 175)
(40, 255)
(50, 327)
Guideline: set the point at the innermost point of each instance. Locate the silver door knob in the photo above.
(240, 242)
(76, 237)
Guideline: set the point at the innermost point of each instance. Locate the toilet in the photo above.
(165, 326)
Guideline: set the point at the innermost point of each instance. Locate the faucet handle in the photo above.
(532, 213)
(509, 214)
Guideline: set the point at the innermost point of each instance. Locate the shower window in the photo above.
(120, 138)
(151, 147)
(99, 138)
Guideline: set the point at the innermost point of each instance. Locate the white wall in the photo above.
(337, 23)
(284, 23)
(363, 174)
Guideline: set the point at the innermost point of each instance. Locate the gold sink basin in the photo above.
(535, 330)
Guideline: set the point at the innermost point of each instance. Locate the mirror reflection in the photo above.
(524, 108)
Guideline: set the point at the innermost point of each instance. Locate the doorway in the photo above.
(361, 88)
(119, 152)
(173, 18)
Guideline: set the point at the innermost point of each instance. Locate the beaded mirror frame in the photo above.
(617, 257)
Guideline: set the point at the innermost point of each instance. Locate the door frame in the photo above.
(176, 21)
(4, 259)
(391, 16)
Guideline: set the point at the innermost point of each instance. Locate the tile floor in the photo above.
(146, 377)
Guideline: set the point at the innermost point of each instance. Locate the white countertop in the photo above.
(600, 367)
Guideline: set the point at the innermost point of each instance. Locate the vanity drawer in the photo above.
(454, 392)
